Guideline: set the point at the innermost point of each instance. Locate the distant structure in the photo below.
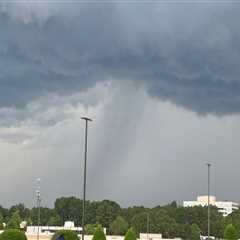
(224, 207)
(150, 236)
(50, 230)
(46, 233)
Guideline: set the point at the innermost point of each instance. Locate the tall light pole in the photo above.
(208, 166)
(85, 170)
(38, 195)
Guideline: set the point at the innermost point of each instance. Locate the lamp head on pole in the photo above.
(86, 119)
(208, 164)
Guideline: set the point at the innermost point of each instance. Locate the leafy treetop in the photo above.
(65, 234)
(99, 234)
(130, 235)
(13, 234)
(230, 232)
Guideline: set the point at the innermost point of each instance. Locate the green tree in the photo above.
(130, 235)
(13, 234)
(4, 212)
(173, 204)
(90, 228)
(70, 208)
(106, 212)
(46, 214)
(29, 221)
(181, 215)
(165, 224)
(15, 220)
(54, 221)
(195, 232)
(99, 234)
(119, 226)
(230, 232)
(129, 213)
(139, 222)
(66, 234)
(24, 212)
(1, 222)
(198, 215)
(183, 231)
(233, 218)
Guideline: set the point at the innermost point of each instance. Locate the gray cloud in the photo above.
(136, 69)
(186, 53)
(141, 151)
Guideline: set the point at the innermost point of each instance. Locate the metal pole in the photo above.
(85, 173)
(38, 206)
(208, 165)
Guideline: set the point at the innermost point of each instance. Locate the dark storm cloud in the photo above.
(185, 53)
(62, 54)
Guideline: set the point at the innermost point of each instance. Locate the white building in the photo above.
(50, 230)
(150, 236)
(143, 236)
(224, 207)
(46, 233)
(153, 236)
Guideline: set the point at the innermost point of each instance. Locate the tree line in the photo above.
(171, 220)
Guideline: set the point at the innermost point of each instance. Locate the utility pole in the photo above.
(38, 195)
(208, 166)
(85, 174)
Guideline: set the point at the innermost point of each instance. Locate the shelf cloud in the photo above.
(186, 53)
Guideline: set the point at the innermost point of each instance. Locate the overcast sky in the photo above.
(160, 80)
